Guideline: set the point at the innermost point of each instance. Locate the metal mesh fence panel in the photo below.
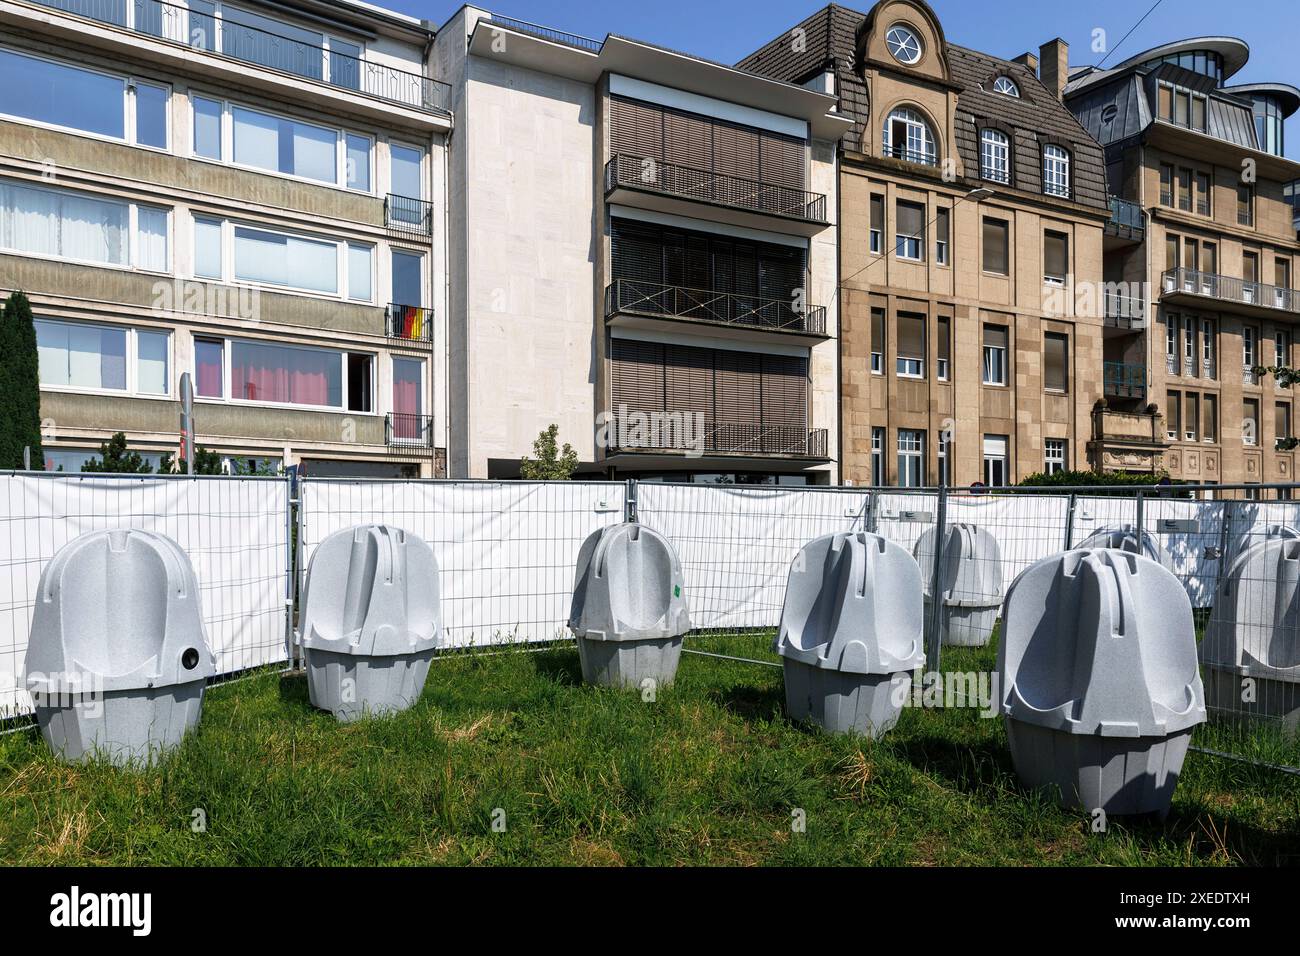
(235, 531)
(506, 551)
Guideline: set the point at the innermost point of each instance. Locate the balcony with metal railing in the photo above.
(673, 188)
(1124, 379)
(637, 303)
(200, 27)
(409, 434)
(408, 323)
(1124, 311)
(720, 438)
(405, 216)
(1252, 298)
(915, 156)
(1126, 222)
(546, 33)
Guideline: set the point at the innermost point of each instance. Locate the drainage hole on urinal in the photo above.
(190, 659)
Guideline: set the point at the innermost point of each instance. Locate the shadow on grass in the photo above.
(749, 702)
(966, 766)
(560, 665)
(293, 690)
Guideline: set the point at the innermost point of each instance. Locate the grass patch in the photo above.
(708, 774)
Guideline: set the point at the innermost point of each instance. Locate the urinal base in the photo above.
(353, 686)
(630, 664)
(966, 626)
(123, 727)
(841, 703)
(1272, 699)
(1120, 775)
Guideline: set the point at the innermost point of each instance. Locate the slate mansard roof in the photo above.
(829, 42)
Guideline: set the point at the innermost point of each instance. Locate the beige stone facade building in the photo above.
(971, 240)
(1200, 260)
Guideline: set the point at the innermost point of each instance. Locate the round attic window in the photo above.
(903, 44)
(1004, 84)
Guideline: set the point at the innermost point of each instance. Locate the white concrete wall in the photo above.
(823, 268)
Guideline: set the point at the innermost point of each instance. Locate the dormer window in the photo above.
(1006, 85)
(1056, 170)
(904, 45)
(995, 156)
(907, 136)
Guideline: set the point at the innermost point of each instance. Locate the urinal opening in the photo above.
(190, 659)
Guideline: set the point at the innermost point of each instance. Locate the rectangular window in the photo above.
(877, 341)
(1245, 205)
(209, 368)
(1056, 257)
(358, 171)
(1282, 347)
(911, 345)
(1172, 325)
(1210, 418)
(877, 224)
(1056, 362)
(1185, 189)
(995, 460)
(995, 355)
(207, 127)
(406, 171)
(1166, 102)
(407, 275)
(943, 461)
(103, 357)
(994, 156)
(1198, 113)
(207, 249)
(81, 228)
(909, 240)
(285, 146)
(278, 259)
(911, 458)
(1190, 367)
(1173, 415)
(1208, 361)
(877, 457)
(995, 246)
(943, 348)
(59, 94)
(361, 272)
(151, 104)
(296, 375)
(1282, 421)
(1202, 183)
(1191, 415)
(409, 425)
(1250, 421)
(1056, 171)
(941, 236)
(1053, 455)
(1249, 353)
(1166, 184)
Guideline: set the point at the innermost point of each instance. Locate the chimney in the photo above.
(1029, 60)
(1054, 65)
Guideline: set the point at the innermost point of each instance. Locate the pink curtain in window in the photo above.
(407, 424)
(208, 361)
(289, 376)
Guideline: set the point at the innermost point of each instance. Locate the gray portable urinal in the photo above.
(118, 655)
(370, 622)
(851, 632)
(1099, 682)
(970, 583)
(1251, 649)
(629, 608)
(1126, 538)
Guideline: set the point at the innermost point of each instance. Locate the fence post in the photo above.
(1069, 522)
(290, 562)
(1227, 511)
(873, 516)
(629, 502)
(934, 640)
(1138, 521)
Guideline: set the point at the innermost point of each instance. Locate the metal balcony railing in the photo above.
(627, 171)
(408, 323)
(1124, 379)
(1230, 289)
(546, 33)
(919, 157)
(1124, 311)
(716, 308)
(730, 438)
(199, 27)
(408, 216)
(409, 433)
(1126, 220)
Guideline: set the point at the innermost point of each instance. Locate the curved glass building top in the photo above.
(1271, 104)
(1205, 62)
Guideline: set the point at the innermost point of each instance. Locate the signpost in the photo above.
(187, 422)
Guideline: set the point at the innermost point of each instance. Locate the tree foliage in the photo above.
(1089, 479)
(20, 385)
(550, 463)
(116, 459)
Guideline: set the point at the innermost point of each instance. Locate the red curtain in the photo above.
(290, 376)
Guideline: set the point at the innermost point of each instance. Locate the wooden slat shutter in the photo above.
(785, 391)
(636, 251)
(636, 128)
(736, 151)
(636, 376)
(688, 140)
(783, 160)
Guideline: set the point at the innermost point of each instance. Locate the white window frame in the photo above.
(424, 392)
(919, 140)
(999, 354)
(341, 263)
(995, 460)
(877, 456)
(910, 446)
(1056, 170)
(1208, 358)
(227, 356)
(901, 37)
(227, 144)
(132, 236)
(129, 82)
(1006, 86)
(132, 359)
(424, 168)
(995, 156)
(1054, 455)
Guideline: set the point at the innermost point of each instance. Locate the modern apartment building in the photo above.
(250, 192)
(643, 253)
(1202, 220)
(972, 207)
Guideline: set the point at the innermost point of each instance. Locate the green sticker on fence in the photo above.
(677, 590)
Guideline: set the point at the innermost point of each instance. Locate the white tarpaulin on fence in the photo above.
(736, 543)
(506, 551)
(233, 530)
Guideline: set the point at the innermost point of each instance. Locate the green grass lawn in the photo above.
(710, 773)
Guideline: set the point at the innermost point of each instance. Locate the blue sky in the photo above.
(726, 30)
